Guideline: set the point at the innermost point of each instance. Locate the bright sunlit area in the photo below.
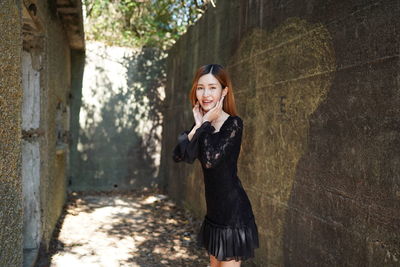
(141, 228)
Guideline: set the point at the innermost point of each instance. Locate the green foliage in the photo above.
(156, 23)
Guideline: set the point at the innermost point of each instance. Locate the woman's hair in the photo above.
(222, 76)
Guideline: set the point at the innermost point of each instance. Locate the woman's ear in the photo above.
(225, 91)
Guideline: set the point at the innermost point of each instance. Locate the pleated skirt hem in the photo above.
(229, 242)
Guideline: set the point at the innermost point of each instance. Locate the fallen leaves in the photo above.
(126, 229)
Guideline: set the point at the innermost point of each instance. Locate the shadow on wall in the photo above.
(120, 119)
(344, 201)
(320, 155)
(325, 129)
(290, 71)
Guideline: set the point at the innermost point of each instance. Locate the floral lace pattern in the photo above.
(209, 150)
(229, 137)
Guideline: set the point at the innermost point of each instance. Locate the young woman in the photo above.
(228, 232)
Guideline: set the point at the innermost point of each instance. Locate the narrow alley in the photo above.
(124, 123)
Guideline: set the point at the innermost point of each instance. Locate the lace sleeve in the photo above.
(186, 150)
(230, 138)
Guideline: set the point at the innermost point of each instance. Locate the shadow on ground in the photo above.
(135, 228)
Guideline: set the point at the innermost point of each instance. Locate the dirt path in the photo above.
(130, 229)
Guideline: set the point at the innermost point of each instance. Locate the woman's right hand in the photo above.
(197, 114)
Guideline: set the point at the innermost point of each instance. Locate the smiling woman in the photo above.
(208, 91)
(229, 232)
(207, 84)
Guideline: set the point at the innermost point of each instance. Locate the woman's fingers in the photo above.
(221, 102)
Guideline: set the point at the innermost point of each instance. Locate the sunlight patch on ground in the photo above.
(127, 230)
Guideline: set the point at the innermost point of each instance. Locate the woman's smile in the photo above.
(207, 102)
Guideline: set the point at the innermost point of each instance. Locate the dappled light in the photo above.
(119, 141)
(140, 228)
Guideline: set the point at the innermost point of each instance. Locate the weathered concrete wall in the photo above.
(116, 145)
(317, 86)
(56, 84)
(35, 84)
(11, 205)
(77, 71)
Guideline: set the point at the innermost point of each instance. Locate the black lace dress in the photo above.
(228, 231)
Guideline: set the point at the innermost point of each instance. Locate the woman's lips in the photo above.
(206, 103)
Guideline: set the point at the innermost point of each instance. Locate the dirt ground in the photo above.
(138, 228)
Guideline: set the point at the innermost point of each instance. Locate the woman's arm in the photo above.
(190, 135)
(187, 148)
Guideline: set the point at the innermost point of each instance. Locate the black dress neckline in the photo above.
(223, 124)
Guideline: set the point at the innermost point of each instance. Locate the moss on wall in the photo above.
(56, 85)
(10, 136)
(51, 53)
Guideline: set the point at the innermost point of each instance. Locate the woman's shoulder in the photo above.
(236, 120)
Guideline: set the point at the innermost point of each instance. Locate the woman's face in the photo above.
(209, 91)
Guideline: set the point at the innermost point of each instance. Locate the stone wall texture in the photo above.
(55, 112)
(11, 206)
(35, 84)
(317, 86)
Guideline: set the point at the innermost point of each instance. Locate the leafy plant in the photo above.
(156, 23)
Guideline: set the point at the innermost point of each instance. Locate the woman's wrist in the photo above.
(193, 131)
(201, 123)
(207, 128)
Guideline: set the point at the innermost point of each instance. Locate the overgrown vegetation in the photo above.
(155, 23)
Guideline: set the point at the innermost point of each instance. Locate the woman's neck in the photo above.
(221, 118)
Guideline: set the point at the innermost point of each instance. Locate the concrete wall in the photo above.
(116, 145)
(56, 85)
(11, 205)
(35, 98)
(317, 86)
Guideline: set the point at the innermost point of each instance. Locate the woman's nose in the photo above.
(206, 92)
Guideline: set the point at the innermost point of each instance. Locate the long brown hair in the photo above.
(222, 76)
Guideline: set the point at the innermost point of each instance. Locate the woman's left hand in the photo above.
(215, 112)
(197, 114)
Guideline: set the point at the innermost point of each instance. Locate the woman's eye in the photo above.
(213, 87)
(199, 88)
